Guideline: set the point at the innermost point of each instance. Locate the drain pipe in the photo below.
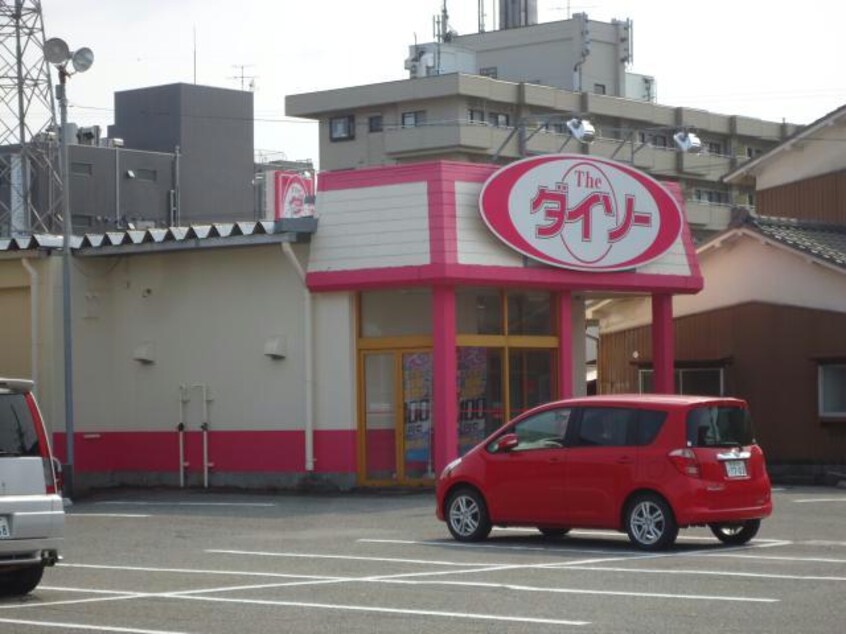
(308, 361)
(180, 429)
(34, 291)
(205, 427)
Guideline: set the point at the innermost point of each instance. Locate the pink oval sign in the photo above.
(580, 212)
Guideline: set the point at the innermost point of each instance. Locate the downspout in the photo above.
(309, 372)
(33, 317)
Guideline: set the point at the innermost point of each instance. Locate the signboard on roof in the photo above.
(291, 193)
(581, 212)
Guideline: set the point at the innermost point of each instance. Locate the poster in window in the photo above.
(417, 402)
(472, 401)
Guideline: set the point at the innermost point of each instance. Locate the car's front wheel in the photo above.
(467, 516)
(736, 534)
(21, 581)
(650, 523)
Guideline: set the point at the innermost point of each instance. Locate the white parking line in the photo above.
(821, 542)
(601, 533)
(116, 515)
(821, 560)
(401, 611)
(710, 573)
(448, 544)
(163, 503)
(189, 571)
(89, 628)
(428, 562)
(811, 500)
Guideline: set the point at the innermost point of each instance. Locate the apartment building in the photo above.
(499, 96)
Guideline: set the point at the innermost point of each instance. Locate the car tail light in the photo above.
(685, 461)
(50, 479)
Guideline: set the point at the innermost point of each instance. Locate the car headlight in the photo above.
(448, 469)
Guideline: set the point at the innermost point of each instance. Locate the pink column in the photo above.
(565, 345)
(444, 377)
(663, 349)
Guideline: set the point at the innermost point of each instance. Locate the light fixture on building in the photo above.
(582, 130)
(688, 141)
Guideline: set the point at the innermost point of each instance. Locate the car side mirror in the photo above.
(507, 442)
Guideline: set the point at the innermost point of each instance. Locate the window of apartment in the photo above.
(715, 147)
(705, 381)
(476, 115)
(752, 152)
(832, 390)
(711, 196)
(499, 119)
(488, 71)
(83, 169)
(599, 89)
(659, 140)
(374, 123)
(342, 128)
(413, 119)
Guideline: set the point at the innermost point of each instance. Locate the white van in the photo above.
(32, 516)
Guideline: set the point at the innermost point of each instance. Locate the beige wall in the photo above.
(205, 317)
(334, 360)
(820, 153)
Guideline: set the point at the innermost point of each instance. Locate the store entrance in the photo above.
(396, 430)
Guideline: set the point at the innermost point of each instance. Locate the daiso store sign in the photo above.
(580, 212)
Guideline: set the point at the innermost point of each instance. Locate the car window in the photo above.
(719, 427)
(542, 431)
(649, 423)
(17, 429)
(605, 426)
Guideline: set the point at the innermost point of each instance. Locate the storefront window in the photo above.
(479, 311)
(396, 313)
(531, 378)
(480, 407)
(530, 313)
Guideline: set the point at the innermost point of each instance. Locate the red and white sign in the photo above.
(581, 212)
(292, 192)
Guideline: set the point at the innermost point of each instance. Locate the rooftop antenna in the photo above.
(242, 76)
(27, 125)
(481, 16)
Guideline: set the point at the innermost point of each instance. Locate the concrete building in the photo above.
(451, 110)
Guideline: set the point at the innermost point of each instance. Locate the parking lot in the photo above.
(191, 561)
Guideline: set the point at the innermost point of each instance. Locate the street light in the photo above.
(56, 52)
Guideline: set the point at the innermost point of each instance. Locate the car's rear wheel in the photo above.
(650, 523)
(21, 581)
(737, 533)
(553, 533)
(467, 516)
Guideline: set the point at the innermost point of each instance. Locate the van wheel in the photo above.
(553, 533)
(736, 534)
(22, 581)
(467, 516)
(650, 523)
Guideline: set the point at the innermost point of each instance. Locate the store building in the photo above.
(374, 346)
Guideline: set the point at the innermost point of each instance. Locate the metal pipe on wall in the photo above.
(180, 428)
(308, 360)
(34, 334)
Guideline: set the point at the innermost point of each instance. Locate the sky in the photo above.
(760, 59)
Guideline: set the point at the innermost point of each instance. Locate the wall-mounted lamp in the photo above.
(145, 353)
(130, 173)
(276, 348)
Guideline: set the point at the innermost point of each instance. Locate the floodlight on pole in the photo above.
(688, 141)
(57, 52)
(582, 130)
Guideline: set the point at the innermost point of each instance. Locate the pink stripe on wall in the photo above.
(229, 451)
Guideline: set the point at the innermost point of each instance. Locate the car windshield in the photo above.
(719, 426)
(17, 429)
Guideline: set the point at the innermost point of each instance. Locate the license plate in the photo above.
(5, 533)
(736, 468)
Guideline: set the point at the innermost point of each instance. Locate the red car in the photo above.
(647, 465)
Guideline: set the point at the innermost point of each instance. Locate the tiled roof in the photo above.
(193, 236)
(824, 241)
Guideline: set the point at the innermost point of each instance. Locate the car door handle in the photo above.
(625, 460)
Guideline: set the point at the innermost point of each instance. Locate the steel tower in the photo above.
(30, 181)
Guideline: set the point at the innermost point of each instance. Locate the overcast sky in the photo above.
(761, 59)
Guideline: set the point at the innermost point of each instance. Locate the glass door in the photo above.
(396, 443)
